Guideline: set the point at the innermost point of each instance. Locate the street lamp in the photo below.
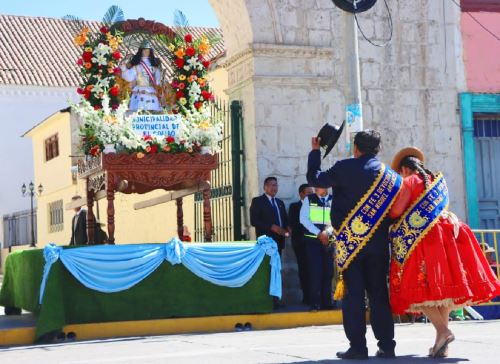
(32, 193)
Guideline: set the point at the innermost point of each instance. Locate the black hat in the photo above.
(329, 135)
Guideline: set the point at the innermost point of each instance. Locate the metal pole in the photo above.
(352, 89)
(32, 193)
(236, 152)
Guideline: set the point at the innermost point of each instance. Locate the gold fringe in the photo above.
(339, 289)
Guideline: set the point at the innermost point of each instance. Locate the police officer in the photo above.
(315, 217)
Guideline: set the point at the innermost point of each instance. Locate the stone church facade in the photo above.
(286, 62)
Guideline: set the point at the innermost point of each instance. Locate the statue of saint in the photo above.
(143, 73)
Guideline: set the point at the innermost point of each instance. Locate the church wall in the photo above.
(292, 80)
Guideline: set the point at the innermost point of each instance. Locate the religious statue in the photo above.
(143, 73)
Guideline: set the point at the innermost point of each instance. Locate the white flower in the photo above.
(194, 90)
(100, 60)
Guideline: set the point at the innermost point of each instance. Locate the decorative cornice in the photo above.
(291, 51)
(296, 81)
(277, 50)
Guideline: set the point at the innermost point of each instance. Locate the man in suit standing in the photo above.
(361, 228)
(268, 214)
(79, 225)
(297, 239)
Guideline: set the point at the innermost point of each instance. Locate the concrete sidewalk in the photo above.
(476, 342)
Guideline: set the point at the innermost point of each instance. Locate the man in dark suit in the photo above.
(268, 214)
(79, 225)
(350, 179)
(297, 239)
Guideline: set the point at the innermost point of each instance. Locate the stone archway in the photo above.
(285, 61)
(280, 63)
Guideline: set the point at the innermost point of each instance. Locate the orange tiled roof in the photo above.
(39, 51)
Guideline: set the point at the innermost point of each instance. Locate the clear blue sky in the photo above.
(198, 12)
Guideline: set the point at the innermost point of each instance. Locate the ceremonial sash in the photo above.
(362, 222)
(148, 71)
(418, 220)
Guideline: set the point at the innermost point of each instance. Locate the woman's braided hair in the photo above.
(416, 165)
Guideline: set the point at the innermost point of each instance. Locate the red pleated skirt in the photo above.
(443, 271)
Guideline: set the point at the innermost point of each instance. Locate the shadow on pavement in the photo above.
(400, 359)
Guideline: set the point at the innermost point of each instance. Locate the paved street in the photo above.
(477, 342)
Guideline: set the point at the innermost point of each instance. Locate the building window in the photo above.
(56, 219)
(51, 147)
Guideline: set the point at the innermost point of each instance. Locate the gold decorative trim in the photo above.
(375, 227)
(431, 225)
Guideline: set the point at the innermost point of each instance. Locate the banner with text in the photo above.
(162, 125)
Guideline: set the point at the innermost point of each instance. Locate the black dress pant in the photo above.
(319, 272)
(368, 272)
(300, 253)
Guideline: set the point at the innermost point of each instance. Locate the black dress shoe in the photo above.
(351, 354)
(387, 354)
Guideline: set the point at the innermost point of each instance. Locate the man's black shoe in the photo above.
(387, 354)
(351, 354)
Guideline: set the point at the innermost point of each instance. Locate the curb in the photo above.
(104, 330)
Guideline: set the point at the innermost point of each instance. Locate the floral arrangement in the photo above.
(192, 91)
(106, 120)
(98, 65)
(108, 126)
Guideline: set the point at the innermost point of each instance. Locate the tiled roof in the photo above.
(39, 51)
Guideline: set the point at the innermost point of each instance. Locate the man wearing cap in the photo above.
(79, 225)
(363, 189)
(489, 253)
(315, 217)
(143, 73)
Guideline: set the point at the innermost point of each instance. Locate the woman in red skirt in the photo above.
(437, 264)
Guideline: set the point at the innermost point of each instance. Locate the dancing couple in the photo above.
(435, 261)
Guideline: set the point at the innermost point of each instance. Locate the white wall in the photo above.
(21, 108)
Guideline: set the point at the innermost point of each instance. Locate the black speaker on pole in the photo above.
(354, 6)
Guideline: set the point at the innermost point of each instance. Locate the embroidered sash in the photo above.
(418, 220)
(364, 219)
(150, 74)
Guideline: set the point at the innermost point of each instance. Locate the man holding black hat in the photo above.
(363, 189)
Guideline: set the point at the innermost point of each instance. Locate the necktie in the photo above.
(323, 201)
(276, 211)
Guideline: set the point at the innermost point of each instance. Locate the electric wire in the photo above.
(390, 29)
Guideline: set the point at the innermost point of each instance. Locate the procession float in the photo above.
(140, 131)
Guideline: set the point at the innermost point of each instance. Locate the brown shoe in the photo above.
(442, 346)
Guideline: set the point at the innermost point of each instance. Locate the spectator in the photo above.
(186, 235)
(315, 217)
(268, 214)
(79, 225)
(489, 252)
(297, 239)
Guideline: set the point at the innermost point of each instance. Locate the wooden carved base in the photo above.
(130, 174)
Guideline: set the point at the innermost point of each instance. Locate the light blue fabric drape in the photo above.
(113, 268)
